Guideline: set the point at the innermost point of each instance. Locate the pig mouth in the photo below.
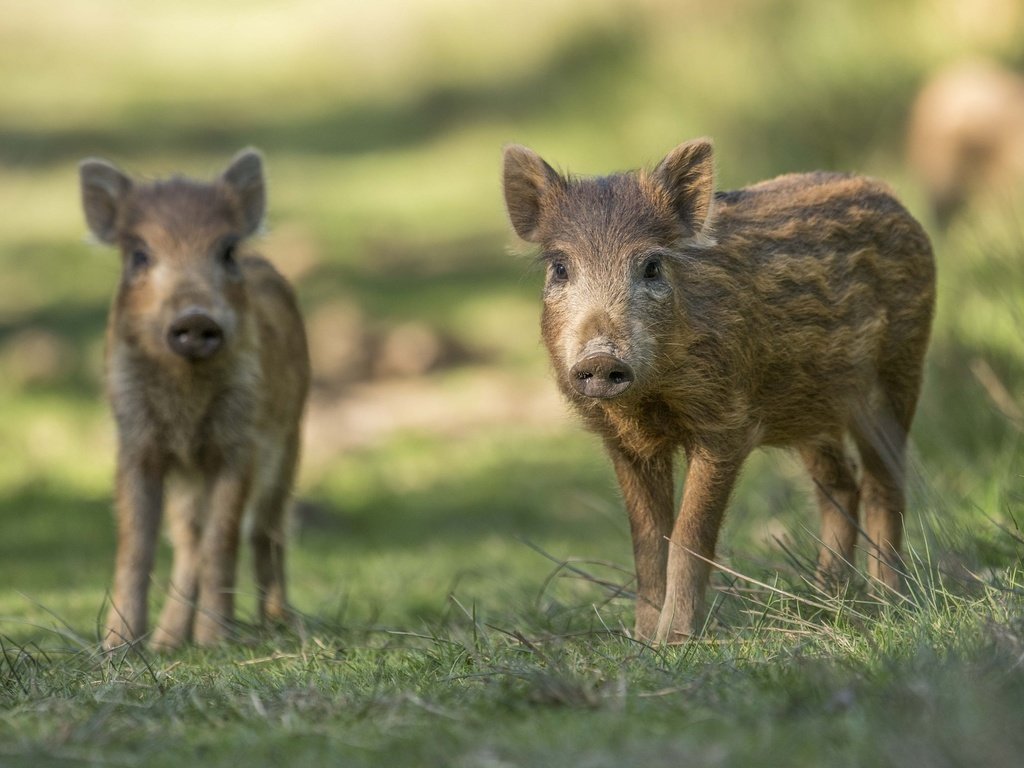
(601, 376)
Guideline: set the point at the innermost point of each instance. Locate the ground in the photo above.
(459, 554)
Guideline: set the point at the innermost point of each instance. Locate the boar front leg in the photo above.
(215, 608)
(140, 483)
(709, 481)
(648, 489)
(184, 516)
(267, 534)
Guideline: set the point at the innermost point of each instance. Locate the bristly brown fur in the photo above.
(215, 441)
(795, 312)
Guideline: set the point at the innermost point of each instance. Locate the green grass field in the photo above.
(459, 555)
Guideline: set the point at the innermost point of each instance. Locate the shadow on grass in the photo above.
(56, 349)
(959, 423)
(424, 281)
(54, 538)
(585, 62)
(526, 489)
(838, 125)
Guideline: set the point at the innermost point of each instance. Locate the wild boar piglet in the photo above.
(794, 312)
(207, 372)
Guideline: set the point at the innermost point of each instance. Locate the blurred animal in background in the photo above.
(207, 372)
(965, 138)
(795, 312)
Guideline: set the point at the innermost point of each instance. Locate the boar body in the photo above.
(207, 373)
(795, 313)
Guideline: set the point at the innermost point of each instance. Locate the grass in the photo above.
(459, 554)
(800, 680)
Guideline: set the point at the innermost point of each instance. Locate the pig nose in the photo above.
(194, 335)
(601, 375)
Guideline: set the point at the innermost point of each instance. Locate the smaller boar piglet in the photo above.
(794, 312)
(207, 372)
(965, 138)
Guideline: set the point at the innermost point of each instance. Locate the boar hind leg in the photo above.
(838, 497)
(884, 504)
(648, 489)
(883, 456)
(267, 537)
(218, 547)
(709, 481)
(183, 526)
(882, 440)
(268, 547)
(139, 507)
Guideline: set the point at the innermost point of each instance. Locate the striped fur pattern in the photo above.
(795, 312)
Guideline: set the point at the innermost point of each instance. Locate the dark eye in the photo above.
(652, 269)
(138, 260)
(559, 271)
(229, 255)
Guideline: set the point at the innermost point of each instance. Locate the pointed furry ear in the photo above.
(245, 177)
(527, 179)
(104, 188)
(688, 175)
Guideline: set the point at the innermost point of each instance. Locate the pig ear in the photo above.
(245, 177)
(688, 175)
(104, 188)
(527, 180)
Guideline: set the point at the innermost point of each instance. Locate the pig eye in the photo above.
(560, 271)
(652, 269)
(228, 256)
(138, 260)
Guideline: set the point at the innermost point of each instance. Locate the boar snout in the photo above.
(195, 335)
(601, 376)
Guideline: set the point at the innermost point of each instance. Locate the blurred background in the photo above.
(438, 457)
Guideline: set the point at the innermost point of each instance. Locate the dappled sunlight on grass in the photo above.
(383, 165)
(459, 554)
